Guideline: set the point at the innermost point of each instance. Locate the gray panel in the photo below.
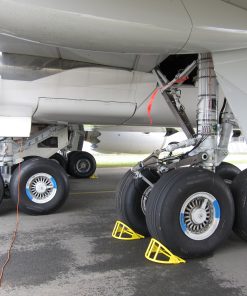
(143, 63)
(14, 45)
(146, 63)
(100, 58)
(31, 67)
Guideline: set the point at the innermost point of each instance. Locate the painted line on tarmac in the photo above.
(92, 192)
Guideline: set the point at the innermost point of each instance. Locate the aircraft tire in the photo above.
(1, 188)
(129, 196)
(71, 153)
(43, 186)
(81, 164)
(30, 157)
(190, 211)
(60, 160)
(239, 190)
(24, 159)
(228, 172)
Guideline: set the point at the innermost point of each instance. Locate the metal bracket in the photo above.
(177, 109)
(152, 161)
(190, 160)
(182, 144)
(139, 175)
(41, 136)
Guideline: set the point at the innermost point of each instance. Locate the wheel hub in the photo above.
(200, 215)
(41, 188)
(83, 165)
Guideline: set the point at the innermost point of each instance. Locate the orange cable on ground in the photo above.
(15, 231)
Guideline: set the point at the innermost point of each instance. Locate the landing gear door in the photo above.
(86, 111)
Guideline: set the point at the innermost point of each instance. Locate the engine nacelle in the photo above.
(126, 142)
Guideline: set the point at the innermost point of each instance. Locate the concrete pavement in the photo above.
(72, 253)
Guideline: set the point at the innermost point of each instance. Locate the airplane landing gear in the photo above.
(190, 209)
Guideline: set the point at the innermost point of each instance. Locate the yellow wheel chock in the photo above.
(93, 177)
(158, 253)
(124, 232)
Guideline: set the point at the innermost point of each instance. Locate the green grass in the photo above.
(116, 165)
(117, 160)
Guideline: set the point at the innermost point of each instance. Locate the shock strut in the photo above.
(207, 110)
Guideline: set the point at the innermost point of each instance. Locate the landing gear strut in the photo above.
(189, 208)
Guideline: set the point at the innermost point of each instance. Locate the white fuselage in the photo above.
(90, 96)
(131, 27)
(130, 36)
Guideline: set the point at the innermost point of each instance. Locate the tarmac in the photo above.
(72, 253)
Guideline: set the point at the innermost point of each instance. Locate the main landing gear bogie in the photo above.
(190, 209)
(43, 182)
